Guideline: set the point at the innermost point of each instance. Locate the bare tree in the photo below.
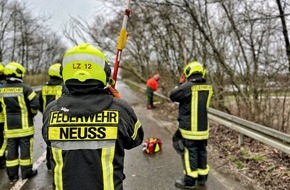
(284, 28)
(24, 38)
(240, 42)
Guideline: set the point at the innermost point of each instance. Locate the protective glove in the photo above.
(182, 79)
(113, 91)
(177, 142)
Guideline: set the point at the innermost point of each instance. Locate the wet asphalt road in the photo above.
(143, 172)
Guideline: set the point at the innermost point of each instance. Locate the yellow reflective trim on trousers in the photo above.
(136, 128)
(203, 171)
(28, 161)
(31, 149)
(188, 170)
(25, 162)
(12, 163)
(15, 133)
(194, 135)
(3, 147)
(24, 112)
(107, 167)
(31, 95)
(57, 157)
(194, 110)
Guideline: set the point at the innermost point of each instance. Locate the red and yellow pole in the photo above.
(121, 42)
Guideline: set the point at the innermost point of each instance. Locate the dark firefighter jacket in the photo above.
(53, 89)
(19, 104)
(88, 134)
(194, 97)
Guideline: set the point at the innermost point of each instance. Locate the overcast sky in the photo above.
(61, 10)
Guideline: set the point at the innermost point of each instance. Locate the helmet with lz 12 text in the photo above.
(14, 69)
(55, 70)
(85, 65)
(192, 68)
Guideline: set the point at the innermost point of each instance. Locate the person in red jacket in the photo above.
(152, 85)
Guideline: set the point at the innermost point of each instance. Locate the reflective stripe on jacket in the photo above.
(19, 104)
(194, 99)
(51, 91)
(88, 135)
(2, 117)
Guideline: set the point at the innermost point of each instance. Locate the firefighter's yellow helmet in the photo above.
(1, 68)
(193, 67)
(55, 70)
(14, 69)
(85, 64)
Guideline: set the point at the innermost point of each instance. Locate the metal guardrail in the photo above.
(258, 132)
(264, 134)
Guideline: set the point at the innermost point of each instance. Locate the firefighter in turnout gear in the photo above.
(194, 98)
(19, 104)
(3, 141)
(89, 129)
(52, 90)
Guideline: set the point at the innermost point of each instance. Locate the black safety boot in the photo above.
(13, 178)
(201, 183)
(30, 174)
(180, 183)
(202, 180)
